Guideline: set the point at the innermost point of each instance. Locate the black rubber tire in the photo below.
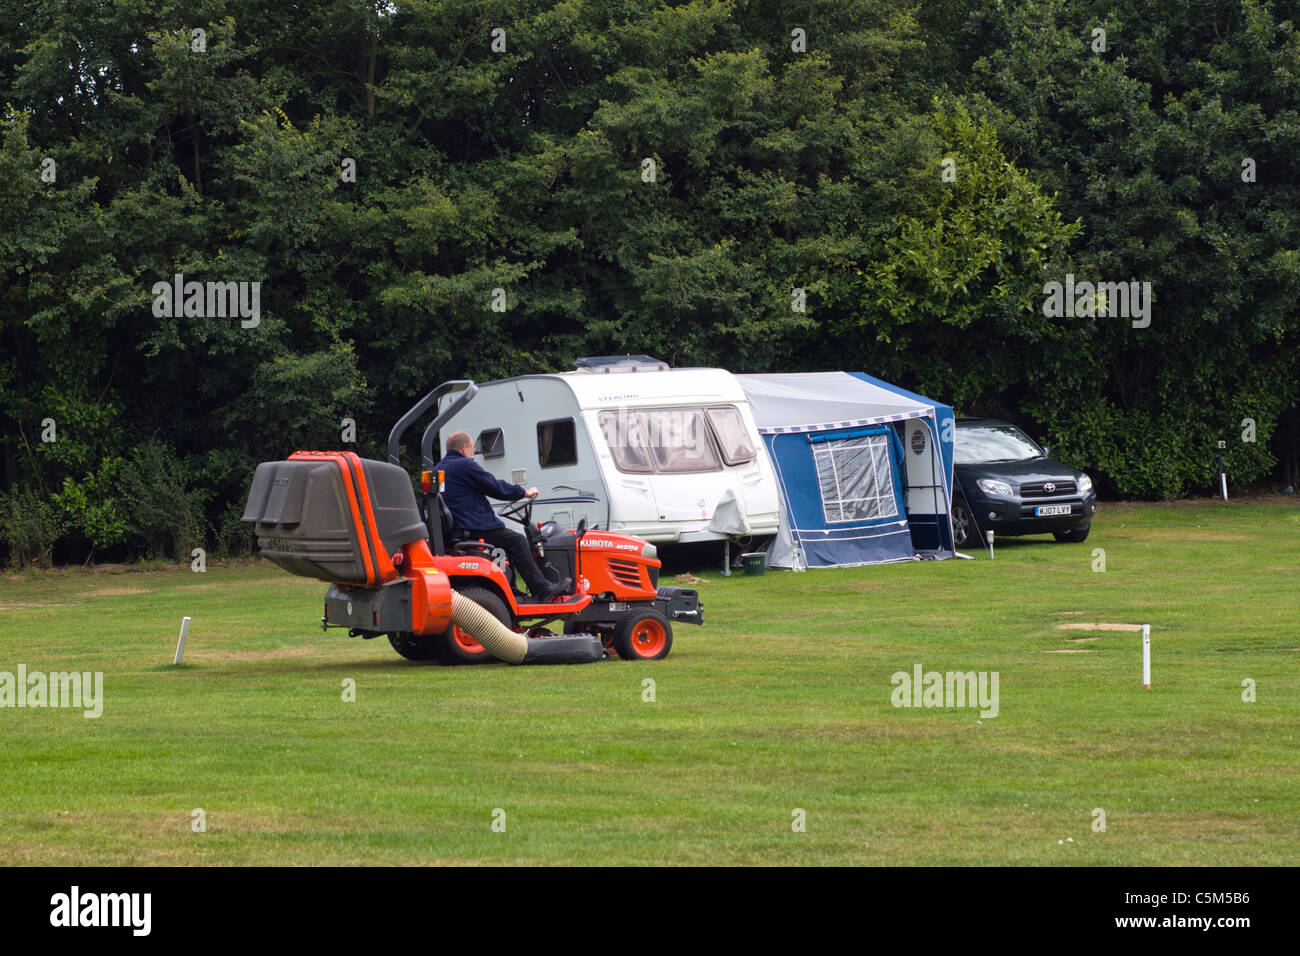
(1074, 535)
(630, 635)
(415, 647)
(964, 530)
(450, 650)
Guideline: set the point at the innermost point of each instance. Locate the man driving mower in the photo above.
(467, 487)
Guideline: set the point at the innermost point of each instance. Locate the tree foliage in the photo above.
(631, 176)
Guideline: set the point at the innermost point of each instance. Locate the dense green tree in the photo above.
(1178, 146)
(627, 176)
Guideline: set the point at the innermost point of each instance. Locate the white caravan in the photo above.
(669, 455)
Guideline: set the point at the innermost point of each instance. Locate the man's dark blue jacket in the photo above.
(467, 484)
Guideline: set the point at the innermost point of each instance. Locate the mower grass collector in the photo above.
(355, 523)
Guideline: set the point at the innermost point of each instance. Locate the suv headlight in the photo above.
(998, 489)
(1085, 484)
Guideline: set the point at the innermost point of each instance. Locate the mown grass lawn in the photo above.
(781, 702)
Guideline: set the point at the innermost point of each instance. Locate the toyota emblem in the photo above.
(1049, 487)
(349, 609)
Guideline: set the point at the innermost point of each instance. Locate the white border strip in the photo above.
(796, 429)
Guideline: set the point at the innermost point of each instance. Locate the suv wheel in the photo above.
(963, 524)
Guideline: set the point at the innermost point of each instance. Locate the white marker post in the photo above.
(989, 536)
(180, 645)
(1223, 474)
(1146, 656)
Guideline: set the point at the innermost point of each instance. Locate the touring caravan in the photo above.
(668, 454)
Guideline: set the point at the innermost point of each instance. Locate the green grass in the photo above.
(781, 701)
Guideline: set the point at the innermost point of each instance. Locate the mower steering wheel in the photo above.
(520, 512)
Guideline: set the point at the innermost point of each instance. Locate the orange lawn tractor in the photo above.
(393, 570)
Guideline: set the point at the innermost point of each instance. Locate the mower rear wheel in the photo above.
(458, 647)
(414, 647)
(643, 636)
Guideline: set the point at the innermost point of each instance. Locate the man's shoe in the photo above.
(556, 590)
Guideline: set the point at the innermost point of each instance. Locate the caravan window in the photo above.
(855, 478)
(679, 440)
(662, 440)
(729, 429)
(557, 443)
(491, 443)
(626, 440)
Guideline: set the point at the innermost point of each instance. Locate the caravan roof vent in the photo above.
(620, 363)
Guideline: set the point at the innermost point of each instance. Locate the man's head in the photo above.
(461, 442)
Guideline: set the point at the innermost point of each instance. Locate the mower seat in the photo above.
(456, 541)
(477, 549)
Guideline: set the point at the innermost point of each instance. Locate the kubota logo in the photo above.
(605, 543)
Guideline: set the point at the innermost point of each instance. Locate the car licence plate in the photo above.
(1044, 511)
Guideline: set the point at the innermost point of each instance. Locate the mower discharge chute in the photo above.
(354, 523)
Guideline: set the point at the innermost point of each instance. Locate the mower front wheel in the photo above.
(643, 636)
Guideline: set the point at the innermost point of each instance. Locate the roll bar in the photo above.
(418, 409)
(426, 440)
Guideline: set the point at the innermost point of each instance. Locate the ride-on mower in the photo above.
(395, 570)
